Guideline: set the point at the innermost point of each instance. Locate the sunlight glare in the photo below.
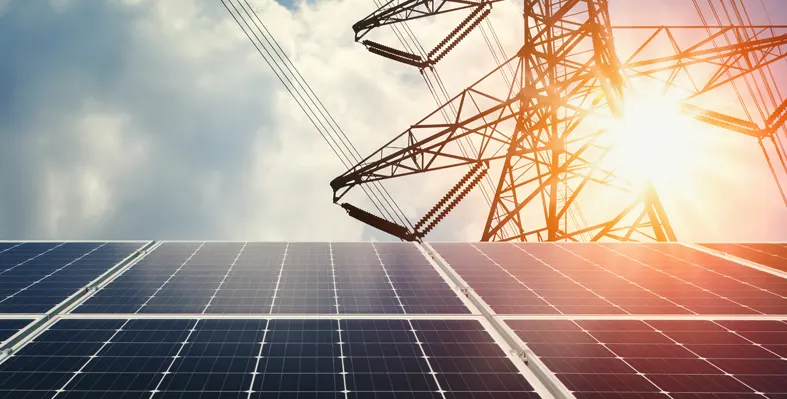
(650, 140)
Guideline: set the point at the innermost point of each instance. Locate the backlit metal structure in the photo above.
(543, 123)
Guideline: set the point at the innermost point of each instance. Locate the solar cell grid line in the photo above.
(361, 282)
(419, 285)
(190, 289)
(87, 362)
(502, 291)
(683, 358)
(46, 363)
(9, 327)
(255, 370)
(567, 305)
(634, 299)
(70, 280)
(216, 360)
(250, 285)
(586, 365)
(134, 286)
(681, 286)
(278, 279)
(22, 280)
(762, 293)
(224, 278)
(468, 361)
(164, 283)
(12, 258)
(5, 246)
(174, 359)
(306, 285)
(300, 358)
(383, 360)
(412, 328)
(726, 268)
(771, 255)
(701, 335)
(764, 373)
(333, 275)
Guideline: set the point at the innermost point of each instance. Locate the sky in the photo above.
(144, 119)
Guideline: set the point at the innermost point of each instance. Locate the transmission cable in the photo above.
(314, 109)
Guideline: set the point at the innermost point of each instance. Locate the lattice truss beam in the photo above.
(543, 122)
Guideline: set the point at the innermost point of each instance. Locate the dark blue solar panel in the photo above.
(4, 246)
(190, 288)
(468, 362)
(218, 357)
(132, 289)
(300, 357)
(48, 363)
(9, 327)
(629, 358)
(306, 282)
(37, 276)
(277, 278)
(276, 358)
(250, 284)
(362, 284)
(420, 288)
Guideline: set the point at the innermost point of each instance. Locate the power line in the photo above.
(284, 69)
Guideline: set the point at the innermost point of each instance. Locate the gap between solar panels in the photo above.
(532, 362)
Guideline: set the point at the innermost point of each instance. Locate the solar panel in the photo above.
(36, 276)
(612, 279)
(279, 278)
(675, 357)
(771, 255)
(238, 357)
(357, 320)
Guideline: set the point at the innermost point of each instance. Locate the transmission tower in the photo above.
(542, 123)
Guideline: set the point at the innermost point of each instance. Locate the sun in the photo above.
(649, 140)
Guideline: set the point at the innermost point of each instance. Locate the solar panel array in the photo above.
(274, 278)
(357, 320)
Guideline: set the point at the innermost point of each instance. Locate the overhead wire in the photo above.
(310, 104)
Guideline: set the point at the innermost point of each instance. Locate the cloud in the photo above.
(152, 119)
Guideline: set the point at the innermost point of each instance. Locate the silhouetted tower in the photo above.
(543, 124)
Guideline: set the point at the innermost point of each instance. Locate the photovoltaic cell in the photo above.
(468, 362)
(419, 287)
(251, 282)
(264, 278)
(612, 279)
(771, 255)
(4, 246)
(731, 288)
(681, 358)
(306, 281)
(232, 358)
(36, 276)
(9, 327)
(132, 289)
(362, 282)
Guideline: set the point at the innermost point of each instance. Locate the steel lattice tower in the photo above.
(547, 138)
